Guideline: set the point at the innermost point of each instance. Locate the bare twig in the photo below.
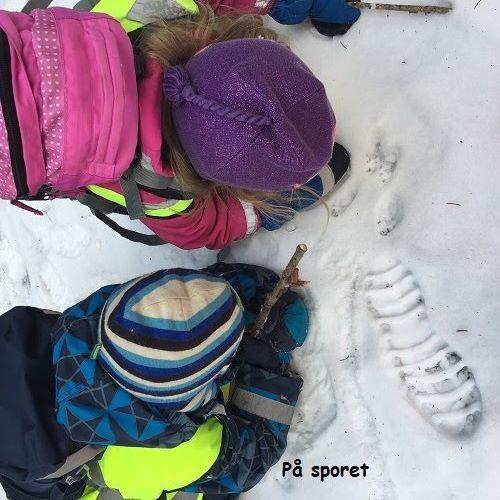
(413, 9)
(479, 1)
(280, 288)
(295, 280)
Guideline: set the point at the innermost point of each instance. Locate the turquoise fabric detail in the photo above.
(296, 319)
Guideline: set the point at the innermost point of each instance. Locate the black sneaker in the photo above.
(340, 164)
(330, 29)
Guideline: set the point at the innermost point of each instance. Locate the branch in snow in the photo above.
(413, 9)
(280, 288)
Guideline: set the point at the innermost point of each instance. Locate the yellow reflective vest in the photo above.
(144, 473)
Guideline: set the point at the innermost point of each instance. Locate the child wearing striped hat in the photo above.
(158, 391)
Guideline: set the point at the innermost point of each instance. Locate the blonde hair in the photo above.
(175, 41)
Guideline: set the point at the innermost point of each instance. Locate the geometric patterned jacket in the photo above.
(95, 410)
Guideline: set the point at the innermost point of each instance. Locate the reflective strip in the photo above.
(90, 493)
(177, 207)
(183, 495)
(262, 406)
(250, 216)
(226, 390)
(109, 494)
(119, 10)
(95, 474)
(75, 461)
(144, 11)
(261, 4)
(328, 180)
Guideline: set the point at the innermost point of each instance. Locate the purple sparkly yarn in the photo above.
(175, 80)
(177, 87)
(250, 114)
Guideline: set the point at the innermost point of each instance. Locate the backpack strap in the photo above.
(36, 4)
(75, 461)
(100, 204)
(137, 176)
(86, 5)
(146, 239)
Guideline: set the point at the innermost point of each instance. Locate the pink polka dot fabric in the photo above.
(8, 189)
(47, 50)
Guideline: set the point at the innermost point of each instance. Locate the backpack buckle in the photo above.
(78, 476)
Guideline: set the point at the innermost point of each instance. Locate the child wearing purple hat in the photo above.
(248, 128)
(217, 130)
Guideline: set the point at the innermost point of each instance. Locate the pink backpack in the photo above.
(69, 106)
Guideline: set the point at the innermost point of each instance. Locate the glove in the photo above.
(275, 222)
(329, 17)
(288, 323)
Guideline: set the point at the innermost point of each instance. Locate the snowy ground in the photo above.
(418, 104)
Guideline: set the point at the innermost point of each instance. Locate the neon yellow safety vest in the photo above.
(144, 473)
(119, 10)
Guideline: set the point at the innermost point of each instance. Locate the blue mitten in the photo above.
(330, 17)
(288, 323)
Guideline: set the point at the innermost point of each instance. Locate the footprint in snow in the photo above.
(71, 247)
(383, 161)
(310, 419)
(438, 381)
(389, 212)
(342, 200)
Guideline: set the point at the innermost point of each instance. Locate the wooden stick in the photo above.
(280, 288)
(412, 9)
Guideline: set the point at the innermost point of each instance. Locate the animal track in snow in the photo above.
(311, 419)
(14, 276)
(342, 199)
(438, 381)
(73, 246)
(389, 213)
(383, 161)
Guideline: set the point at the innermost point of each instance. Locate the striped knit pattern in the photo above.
(168, 336)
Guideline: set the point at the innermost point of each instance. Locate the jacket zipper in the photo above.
(11, 120)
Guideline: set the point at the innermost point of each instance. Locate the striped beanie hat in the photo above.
(167, 337)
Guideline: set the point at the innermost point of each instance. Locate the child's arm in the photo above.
(260, 413)
(215, 223)
(262, 405)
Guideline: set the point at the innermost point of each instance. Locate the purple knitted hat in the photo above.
(250, 114)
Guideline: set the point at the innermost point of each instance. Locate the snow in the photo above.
(418, 105)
